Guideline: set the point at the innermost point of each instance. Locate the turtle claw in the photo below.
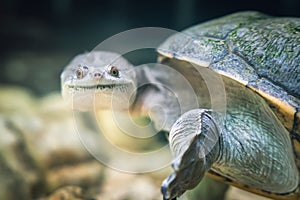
(175, 184)
(165, 187)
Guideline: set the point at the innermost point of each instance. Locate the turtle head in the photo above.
(194, 142)
(98, 80)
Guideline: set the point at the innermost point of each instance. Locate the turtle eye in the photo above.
(81, 72)
(113, 71)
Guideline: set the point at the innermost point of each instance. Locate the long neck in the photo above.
(143, 91)
(155, 99)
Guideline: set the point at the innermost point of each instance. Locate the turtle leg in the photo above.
(194, 140)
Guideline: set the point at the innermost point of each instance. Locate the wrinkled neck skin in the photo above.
(154, 100)
(144, 90)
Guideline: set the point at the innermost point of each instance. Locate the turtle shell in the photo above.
(256, 50)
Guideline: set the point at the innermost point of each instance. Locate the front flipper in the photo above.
(189, 170)
(194, 139)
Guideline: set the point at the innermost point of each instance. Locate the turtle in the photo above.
(254, 143)
(258, 57)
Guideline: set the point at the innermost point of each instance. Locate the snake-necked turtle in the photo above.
(256, 54)
(254, 145)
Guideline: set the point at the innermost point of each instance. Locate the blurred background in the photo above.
(38, 38)
(39, 149)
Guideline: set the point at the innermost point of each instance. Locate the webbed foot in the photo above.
(187, 173)
(194, 139)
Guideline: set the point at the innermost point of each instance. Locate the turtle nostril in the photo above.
(97, 75)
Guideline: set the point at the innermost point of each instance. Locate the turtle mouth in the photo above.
(93, 87)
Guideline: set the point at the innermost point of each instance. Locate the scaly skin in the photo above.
(248, 144)
(232, 149)
(260, 52)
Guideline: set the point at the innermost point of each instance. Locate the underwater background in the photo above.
(38, 38)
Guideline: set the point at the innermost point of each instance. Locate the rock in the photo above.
(87, 174)
(39, 147)
(20, 175)
(121, 185)
(42, 152)
(67, 193)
